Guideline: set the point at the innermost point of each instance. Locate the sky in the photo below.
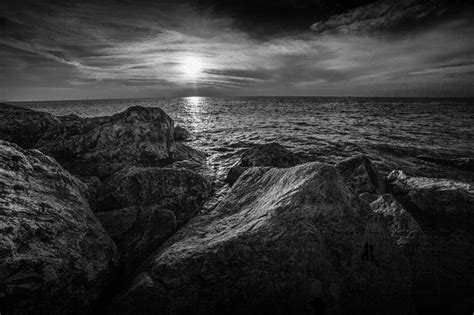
(59, 50)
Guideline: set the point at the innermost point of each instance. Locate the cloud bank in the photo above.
(116, 49)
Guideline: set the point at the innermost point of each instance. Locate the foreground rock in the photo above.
(270, 154)
(101, 146)
(199, 168)
(55, 255)
(23, 126)
(283, 241)
(444, 210)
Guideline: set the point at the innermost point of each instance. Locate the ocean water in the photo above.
(323, 128)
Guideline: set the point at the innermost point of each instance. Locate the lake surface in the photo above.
(325, 128)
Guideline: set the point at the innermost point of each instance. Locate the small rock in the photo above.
(181, 134)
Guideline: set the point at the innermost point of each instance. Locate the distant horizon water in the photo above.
(327, 128)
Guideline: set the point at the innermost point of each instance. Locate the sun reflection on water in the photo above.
(194, 107)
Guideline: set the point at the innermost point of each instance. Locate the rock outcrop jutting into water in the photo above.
(283, 241)
(286, 238)
(55, 255)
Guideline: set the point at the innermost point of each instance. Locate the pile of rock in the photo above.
(289, 237)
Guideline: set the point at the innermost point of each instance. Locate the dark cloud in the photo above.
(392, 16)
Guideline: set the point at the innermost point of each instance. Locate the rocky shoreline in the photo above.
(104, 215)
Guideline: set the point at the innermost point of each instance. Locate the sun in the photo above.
(191, 66)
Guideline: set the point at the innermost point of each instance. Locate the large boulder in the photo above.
(283, 241)
(269, 154)
(179, 190)
(362, 177)
(54, 253)
(137, 231)
(23, 126)
(103, 145)
(444, 210)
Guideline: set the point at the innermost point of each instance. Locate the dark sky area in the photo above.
(53, 50)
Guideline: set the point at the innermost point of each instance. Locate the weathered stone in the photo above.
(444, 209)
(269, 154)
(179, 190)
(23, 126)
(103, 145)
(137, 231)
(283, 241)
(54, 254)
(181, 134)
(443, 201)
(362, 177)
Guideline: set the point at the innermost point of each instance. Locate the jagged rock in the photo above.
(283, 241)
(54, 254)
(199, 168)
(444, 209)
(181, 134)
(464, 164)
(137, 231)
(405, 231)
(443, 201)
(24, 126)
(269, 154)
(362, 177)
(186, 153)
(179, 190)
(103, 145)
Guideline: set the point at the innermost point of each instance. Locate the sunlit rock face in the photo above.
(101, 146)
(23, 126)
(444, 210)
(55, 255)
(269, 154)
(282, 241)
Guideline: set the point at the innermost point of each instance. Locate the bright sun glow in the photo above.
(192, 66)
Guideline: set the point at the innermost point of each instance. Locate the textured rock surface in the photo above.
(444, 210)
(137, 231)
(270, 154)
(23, 126)
(362, 177)
(179, 190)
(181, 134)
(55, 255)
(103, 145)
(282, 241)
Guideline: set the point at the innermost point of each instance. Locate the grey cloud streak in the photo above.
(107, 50)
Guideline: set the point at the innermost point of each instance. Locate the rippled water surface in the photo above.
(329, 128)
